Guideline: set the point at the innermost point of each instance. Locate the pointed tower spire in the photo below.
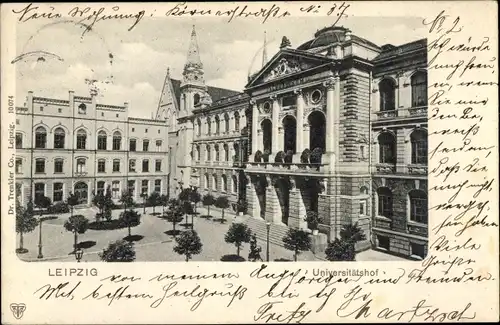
(264, 51)
(193, 69)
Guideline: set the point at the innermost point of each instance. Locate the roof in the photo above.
(389, 50)
(330, 35)
(215, 92)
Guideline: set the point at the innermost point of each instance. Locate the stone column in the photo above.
(255, 128)
(300, 121)
(276, 124)
(232, 124)
(306, 127)
(330, 115)
(297, 211)
(273, 210)
(253, 206)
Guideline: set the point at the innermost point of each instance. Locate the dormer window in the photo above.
(82, 109)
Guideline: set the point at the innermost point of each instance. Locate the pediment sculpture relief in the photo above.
(283, 67)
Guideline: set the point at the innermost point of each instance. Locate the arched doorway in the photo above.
(82, 192)
(317, 131)
(283, 192)
(267, 135)
(290, 134)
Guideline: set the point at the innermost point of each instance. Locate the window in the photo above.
(217, 125)
(101, 166)
(158, 165)
(131, 165)
(19, 140)
(17, 121)
(419, 89)
(80, 165)
(226, 152)
(226, 123)
(362, 207)
(384, 202)
(198, 127)
(206, 181)
(145, 145)
(117, 140)
(209, 153)
(288, 101)
(209, 126)
(198, 153)
(115, 189)
(59, 137)
(224, 183)
(383, 242)
(82, 109)
(158, 145)
(101, 140)
(418, 141)
(133, 145)
(196, 99)
(58, 165)
(133, 129)
(116, 165)
(131, 187)
(40, 137)
(100, 188)
(81, 139)
(235, 184)
(39, 191)
(145, 166)
(59, 110)
(144, 186)
(214, 182)
(387, 147)
(217, 155)
(418, 206)
(41, 108)
(146, 130)
(316, 96)
(158, 185)
(387, 89)
(19, 165)
(418, 251)
(40, 165)
(57, 192)
(236, 121)
(363, 203)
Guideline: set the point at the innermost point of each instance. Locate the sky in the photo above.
(141, 57)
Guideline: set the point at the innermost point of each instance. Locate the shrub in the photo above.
(59, 207)
(313, 219)
(265, 156)
(258, 156)
(352, 233)
(118, 251)
(288, 157)
(280, 157)
(315, 157)
(340, 250)
(304, 157)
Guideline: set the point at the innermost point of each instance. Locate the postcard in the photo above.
(249, 162)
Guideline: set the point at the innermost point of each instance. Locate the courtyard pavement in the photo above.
(153, 243)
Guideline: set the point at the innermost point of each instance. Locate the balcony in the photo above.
(419, 111)
(384, 168)
(273, 167)
(417, 169)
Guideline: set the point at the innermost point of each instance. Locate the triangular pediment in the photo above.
(285, 63)
(168, 101)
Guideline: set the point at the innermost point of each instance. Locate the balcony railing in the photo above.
(417, 169)
(280, 167)
(402, 112)
(385, 168)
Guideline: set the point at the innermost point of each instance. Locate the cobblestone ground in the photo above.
(153, 243)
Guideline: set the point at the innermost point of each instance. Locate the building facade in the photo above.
(84, 147)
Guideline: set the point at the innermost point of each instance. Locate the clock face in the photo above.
(266, 108)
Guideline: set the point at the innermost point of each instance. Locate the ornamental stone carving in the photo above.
(284, 67)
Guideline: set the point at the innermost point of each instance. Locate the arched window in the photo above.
(196, 98)
(267, 132)
(40, 137)
(217, 124)
(384, 202)
(418, 206)
(198, 125)
(81, 165)
(209, 153)
(387, 148)
(226, 122)
(419, 89)
(81, 139)
(226, 152)
(237, 121)
(317, 131)
(363, 201)
(418, 141)
(214, 182)
(209, 126)
(59, 137)
(290, 134)
(387, 89)
(224, 183)
(206, 181)
(117, 140)
(198, 153)
(236, 152)
(235, 183)
(101, 140)
(217, 153)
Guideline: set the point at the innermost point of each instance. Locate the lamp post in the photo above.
(40, 246)
(268, 226)
(78, 254)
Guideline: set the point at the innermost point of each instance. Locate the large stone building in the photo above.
(79, 145)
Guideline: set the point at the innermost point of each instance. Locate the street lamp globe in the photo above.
(78, 254)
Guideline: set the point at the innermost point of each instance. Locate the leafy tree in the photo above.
(313, 219)
(130, 217)
(72, 200)
(164, 202)
(154, 200)
(108, 204)
(25, 223)
(144, 197)
(43, 203)
(195, 197)
(118, 251)
(175, 215)
(352, 233)
(340, 250)
(208, 200)
(222, 202)
(188, 244)
(238, 234)
(254, 254)
(127, 200)
(185, 194)
(187, 209)
(297, 240)
(77, 224)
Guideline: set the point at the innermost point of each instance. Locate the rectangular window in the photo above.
(19, 165)
(40, 166)
(115, 189)
(418, 210)
(59, 138)
(131, 165)
(101, 166)
(117, 143)
(387, 155)
(116, 165)
(40, 140)
(58, 166)
(419, 152)
(101, 142)
(144, 186)
(58, 192)
(158, 165)
(81, 141)
(362, 208)
(158, 185)
(158, 145)
(133, 144)
(39, 191)
(145, 166)
(81, 165)
(100, 188)
(385, 205)
(19, 140)
(145, 145)
(131, 187)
